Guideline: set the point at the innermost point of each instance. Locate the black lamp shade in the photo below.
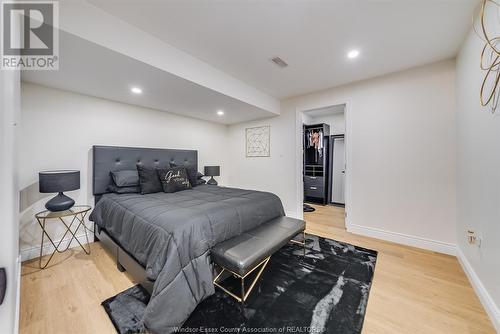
(212, 170)
(59, 181)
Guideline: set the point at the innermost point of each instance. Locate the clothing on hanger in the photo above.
(314, 139)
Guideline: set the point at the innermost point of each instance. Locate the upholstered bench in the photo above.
(246, 252)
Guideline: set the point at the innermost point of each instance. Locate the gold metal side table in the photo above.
(77, 215)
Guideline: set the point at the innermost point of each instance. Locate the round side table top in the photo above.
(75, 210)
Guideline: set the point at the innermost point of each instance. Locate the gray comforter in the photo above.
(171, 236)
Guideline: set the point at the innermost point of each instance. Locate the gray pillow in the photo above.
(124, 190)
(149, 180)
(125, 178)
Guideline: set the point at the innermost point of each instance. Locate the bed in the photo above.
(164, 240)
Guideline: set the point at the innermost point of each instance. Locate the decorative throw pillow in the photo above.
(174, 179)
(199, 175)
(149, 182)
(125, 178)
(191, 170)
(124, 190)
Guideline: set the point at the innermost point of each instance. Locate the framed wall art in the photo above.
(258, 141)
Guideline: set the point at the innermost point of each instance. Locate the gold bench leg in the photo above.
(303, 243)
(242, 289)
(244, 293)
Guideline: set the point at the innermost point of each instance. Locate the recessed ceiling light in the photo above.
(136, 90)
(352, 54)
(220, 112)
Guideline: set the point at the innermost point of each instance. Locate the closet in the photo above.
(316, 163)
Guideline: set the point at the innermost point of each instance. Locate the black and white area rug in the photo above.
(324, 292)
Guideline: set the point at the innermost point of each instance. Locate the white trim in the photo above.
(299, 175)
(299, 162)
(348, 164)
(34, 251)
(18, 293)
(489, 305)
(405, 239)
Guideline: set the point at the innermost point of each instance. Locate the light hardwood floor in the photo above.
(414, 291)
(329, 215)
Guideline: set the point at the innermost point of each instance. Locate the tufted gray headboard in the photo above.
(110, 158)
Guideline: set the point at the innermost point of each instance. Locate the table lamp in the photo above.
(58, 181)
(212, 171)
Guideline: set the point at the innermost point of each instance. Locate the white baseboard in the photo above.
(34, 251)
(489, 304)
(405, 239)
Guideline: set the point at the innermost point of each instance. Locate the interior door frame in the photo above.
(348, 155)
(10, 117)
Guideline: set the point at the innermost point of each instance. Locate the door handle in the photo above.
(313, 188)
(3, 284)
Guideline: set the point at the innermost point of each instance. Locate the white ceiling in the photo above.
(313, 37)
(91, 69)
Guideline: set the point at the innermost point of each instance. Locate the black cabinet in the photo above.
(316, 163)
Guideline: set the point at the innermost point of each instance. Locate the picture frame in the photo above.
(258, 141)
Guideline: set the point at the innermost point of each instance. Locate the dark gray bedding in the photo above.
(171, 236)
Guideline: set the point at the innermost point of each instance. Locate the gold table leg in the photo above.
(74, 237)
(81, 221)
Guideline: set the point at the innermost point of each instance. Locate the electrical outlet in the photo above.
(471, 237)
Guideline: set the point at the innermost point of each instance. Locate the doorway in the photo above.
(324, 166)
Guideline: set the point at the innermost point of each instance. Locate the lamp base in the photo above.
(60, 202)
(212, 181)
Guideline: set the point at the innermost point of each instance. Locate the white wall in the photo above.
(275, 173)
(59, 129)
(306, 119)
(9, 197)
(401, 133)
(336, 122)
(478, 178)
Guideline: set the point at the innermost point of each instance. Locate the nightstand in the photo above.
(75, 216)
